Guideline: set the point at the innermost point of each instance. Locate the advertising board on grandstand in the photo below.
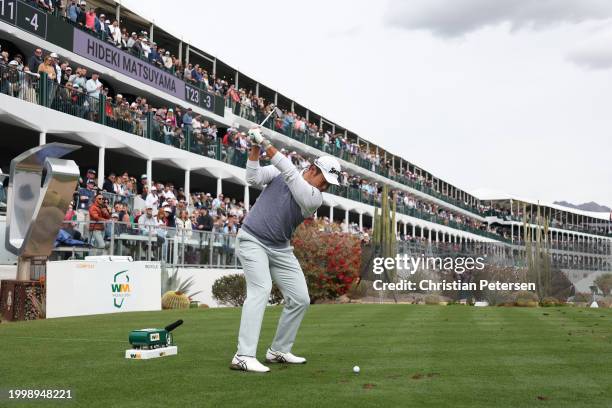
(106, 54)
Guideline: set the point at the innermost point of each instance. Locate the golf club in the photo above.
(274, 108)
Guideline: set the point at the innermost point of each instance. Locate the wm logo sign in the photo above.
(120, 288)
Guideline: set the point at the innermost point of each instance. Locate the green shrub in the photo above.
(358, 290)
(605, 302)
(581, 297)
(550, 302)
(432, 300)
(604, 283)
(526, 299)
(231, 290)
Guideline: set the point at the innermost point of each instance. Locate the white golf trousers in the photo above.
(261, 266)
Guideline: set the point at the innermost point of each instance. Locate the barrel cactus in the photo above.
(175, 300)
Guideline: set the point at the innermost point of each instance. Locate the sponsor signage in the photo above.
(76, 288)
(130, 65)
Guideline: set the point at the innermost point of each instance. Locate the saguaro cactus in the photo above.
(384, 239)
(537, 255)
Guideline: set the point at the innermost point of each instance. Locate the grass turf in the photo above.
(422, 356)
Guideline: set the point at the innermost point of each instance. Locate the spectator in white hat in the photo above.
(115, 32)
(94, 86)
(152, 198)
(167, 60)
(147, 223)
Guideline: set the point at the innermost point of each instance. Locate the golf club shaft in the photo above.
(268, 117)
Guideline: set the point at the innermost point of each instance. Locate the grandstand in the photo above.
(156, 111)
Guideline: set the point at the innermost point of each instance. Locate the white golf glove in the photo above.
(255, 136)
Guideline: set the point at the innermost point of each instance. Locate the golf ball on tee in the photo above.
(356, 369)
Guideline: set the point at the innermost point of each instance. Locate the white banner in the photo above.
(76, 288)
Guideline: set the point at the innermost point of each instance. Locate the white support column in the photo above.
(437, 236)
(42, 138)
(101, 154)
(360, 221)
(405, 229)
(219, 186)
(149, 173)
(346, 219)
(187, 187)
(247, 198)
(413, 231)
(331, 213)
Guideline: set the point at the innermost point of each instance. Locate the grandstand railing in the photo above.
(318, 142)
(39, 89)
(173, 246)
(605, 231)
(254, 115)
(59, 30)
(500, 254)
(362, 196)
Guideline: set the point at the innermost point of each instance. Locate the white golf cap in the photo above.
(330, 167)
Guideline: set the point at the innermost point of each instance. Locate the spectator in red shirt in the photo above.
(90, 19)
(99, 213)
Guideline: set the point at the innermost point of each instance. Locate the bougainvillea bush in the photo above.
(329, 258)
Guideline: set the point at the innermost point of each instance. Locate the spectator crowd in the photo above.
(244, 102)
(79, 93)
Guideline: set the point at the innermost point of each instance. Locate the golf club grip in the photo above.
(174, 325)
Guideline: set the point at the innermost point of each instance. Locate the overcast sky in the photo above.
(512, 96)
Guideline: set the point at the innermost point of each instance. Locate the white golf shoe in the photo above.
(246, 363)
(280, 357)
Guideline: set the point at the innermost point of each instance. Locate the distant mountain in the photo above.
(592, 206)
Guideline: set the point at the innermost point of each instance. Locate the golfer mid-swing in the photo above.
(264, 250)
